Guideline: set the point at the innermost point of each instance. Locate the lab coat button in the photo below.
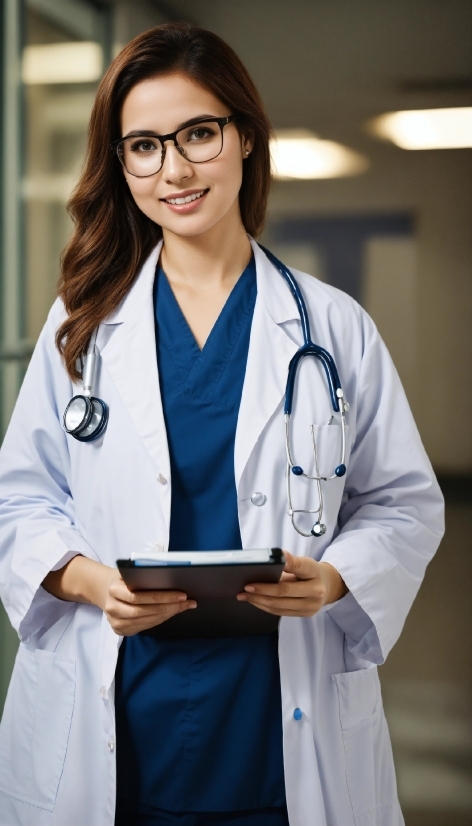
(103, 691)
(258, 499)
(297, 714)
(162, 479)
(111, 744)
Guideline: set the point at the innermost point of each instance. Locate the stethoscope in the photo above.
(338, 402)
(86, 417)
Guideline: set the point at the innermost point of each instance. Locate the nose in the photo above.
(175, 166)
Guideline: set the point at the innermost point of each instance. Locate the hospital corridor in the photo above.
(371, 160)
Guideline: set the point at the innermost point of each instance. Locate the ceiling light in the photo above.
(298, 153)
(77, 62)
(426, 128)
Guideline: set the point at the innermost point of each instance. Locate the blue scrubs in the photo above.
(199, 723)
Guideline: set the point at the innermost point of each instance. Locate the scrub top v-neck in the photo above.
(199, 723)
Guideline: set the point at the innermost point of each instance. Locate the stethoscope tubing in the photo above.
(309, 347)
(309, 350)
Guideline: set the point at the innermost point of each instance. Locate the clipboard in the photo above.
(212, 578)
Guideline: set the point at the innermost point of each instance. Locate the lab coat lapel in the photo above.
(270, 352)
(130, 357)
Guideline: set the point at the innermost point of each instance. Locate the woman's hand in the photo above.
(304, 587)
(128, 612)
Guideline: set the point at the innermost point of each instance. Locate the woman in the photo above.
(257, 730)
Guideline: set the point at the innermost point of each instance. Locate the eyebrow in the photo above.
(150, 133)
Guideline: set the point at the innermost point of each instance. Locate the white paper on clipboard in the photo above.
(154, 557)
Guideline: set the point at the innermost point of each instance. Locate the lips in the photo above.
(185, 198)
(185, 203)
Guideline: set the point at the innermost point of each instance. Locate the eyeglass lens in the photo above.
(142, 155)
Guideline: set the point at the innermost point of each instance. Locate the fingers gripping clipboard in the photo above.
(212, 578)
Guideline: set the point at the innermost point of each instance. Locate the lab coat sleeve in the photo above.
(38, 532)
(391, 518)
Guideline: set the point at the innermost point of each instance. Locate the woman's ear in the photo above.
(247, 143)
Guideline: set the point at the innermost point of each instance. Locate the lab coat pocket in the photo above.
(328, 439)
(35, 727)
(370, 773)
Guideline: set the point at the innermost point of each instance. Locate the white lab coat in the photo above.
(110, 497)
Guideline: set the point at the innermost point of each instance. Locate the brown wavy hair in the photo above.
(112, 237)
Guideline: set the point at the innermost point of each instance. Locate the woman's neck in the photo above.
(202, 270)
(214, 259)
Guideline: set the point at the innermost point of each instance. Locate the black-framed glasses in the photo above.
(142, 155)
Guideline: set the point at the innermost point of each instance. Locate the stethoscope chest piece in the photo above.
(318, 529)
(77, 415)
(86, 417)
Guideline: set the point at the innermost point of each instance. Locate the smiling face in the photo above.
(210, 189)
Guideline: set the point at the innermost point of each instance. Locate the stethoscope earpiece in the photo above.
(86, 417)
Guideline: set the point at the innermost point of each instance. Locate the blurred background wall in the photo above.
(391, 226)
